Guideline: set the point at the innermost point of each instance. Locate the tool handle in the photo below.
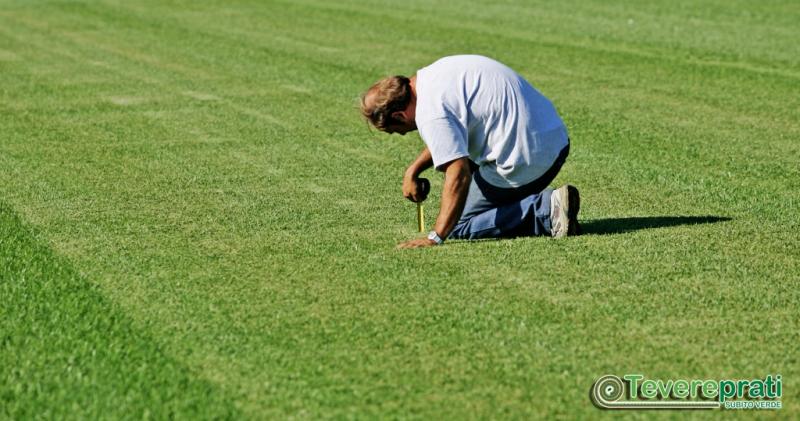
(424, 187)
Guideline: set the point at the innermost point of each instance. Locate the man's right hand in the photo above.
(411, 187)
(411, 190)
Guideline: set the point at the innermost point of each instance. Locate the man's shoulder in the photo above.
(436, 96)
(463, 60)
(440, 92)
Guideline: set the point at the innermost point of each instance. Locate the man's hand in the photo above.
(454, 194)
(417, 243)
(411, 190)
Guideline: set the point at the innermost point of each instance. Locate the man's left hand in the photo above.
(416, 243)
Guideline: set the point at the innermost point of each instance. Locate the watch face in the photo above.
(435, 237)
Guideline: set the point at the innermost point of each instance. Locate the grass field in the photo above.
(195, 222)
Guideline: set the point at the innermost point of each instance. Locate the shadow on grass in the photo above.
(623, 225)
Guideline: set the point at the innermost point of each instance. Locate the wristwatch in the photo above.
(435, 237)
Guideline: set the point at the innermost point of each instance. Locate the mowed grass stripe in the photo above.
(130, 61)
(69, 354)
(750, 109)
(646, 29)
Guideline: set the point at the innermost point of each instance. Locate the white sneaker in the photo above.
(565, 202)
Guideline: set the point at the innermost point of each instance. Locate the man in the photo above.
(497, 139)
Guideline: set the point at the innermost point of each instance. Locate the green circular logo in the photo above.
(608, 389)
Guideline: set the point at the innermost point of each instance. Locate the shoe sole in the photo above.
(570, 206)
(573, 228)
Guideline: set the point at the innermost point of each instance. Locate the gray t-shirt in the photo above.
(473, 106)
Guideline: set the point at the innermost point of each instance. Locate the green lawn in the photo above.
(195, 222)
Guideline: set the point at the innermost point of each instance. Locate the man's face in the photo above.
(400, 129)
(406, 120)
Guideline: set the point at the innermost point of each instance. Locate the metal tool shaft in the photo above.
(421, 217)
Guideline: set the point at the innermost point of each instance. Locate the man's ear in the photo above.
(399, 115)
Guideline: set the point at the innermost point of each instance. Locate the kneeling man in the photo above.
(498, 140)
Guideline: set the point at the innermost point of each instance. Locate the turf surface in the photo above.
(195, 222)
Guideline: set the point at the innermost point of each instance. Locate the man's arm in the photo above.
(457, 176)
(422, 163)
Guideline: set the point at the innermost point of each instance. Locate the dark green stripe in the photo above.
(65, 352)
